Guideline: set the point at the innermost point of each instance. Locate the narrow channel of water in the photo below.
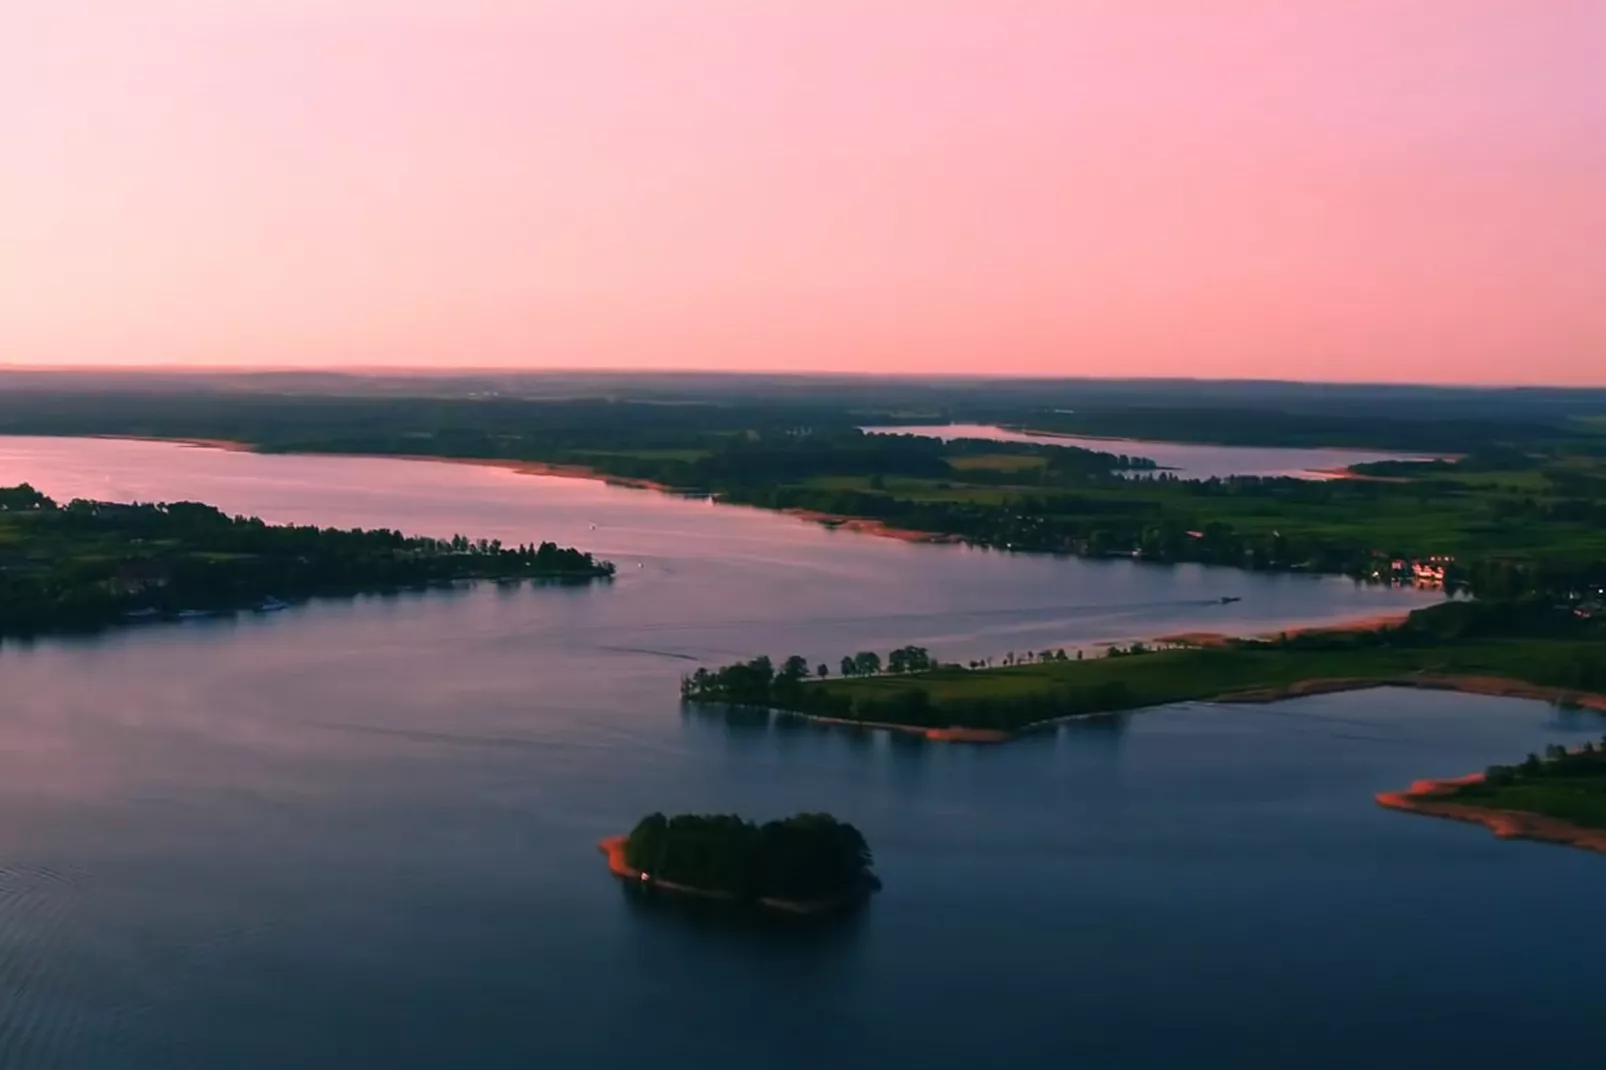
(1182, 459)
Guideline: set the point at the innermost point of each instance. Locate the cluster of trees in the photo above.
(87, 564)
(1033, 657)
(758, 682)
(902, 660)
(806, 858)
(1587, 762)
(23, 498)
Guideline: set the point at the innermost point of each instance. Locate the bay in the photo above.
(361, 832)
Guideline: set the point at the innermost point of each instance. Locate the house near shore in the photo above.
(1425, 572)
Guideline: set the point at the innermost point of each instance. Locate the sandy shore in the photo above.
(865, 526)
(1361, 477)
(1359, 624)
(226, 444)
(1430, 797)
(951, 734)
(528, 468)
(523, 468)
(614, 848)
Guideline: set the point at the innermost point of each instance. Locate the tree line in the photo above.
(806, 858)
(88, 564)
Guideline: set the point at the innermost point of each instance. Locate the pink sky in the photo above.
(1325, 189)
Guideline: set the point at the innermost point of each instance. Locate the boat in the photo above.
(1229, 599)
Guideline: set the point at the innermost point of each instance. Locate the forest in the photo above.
(87, 565)
(804, 859)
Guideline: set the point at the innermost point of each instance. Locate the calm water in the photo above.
(1185, 460)
(361, 833)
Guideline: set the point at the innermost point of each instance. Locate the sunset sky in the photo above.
(1322, 189)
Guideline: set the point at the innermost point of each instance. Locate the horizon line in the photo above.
(426, 372)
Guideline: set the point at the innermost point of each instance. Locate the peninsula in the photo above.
(1528, 648)
(810, 864)
(88, 565)
(1558, 798)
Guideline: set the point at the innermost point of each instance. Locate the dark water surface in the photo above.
(361, 833)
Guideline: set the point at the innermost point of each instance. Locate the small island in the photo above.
(88, 565)
(808, 864)
(1558, 798)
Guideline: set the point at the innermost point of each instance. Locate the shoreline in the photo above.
(527, 468)
(1350, 473)
(832, 521)
(951, 734)
(1369, 623)
(1492, 686)
(614, 848)
(866, 526)
(1429, 798)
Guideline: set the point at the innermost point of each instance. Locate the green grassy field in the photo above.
(1567, 784)
(1013, 697)
(1580, 800)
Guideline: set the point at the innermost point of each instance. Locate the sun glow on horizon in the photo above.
(1336, 190)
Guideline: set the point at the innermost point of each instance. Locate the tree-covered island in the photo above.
(88, 565)
(1531, 647)
(807, 864)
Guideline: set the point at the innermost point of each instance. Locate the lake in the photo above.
(1182, 459)
(361, 833)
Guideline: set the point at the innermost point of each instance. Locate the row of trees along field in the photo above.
(759, 682)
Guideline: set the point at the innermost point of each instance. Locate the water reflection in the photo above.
(753, 930)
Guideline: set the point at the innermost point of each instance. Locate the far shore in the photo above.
(1431, 798)
(528, 468)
